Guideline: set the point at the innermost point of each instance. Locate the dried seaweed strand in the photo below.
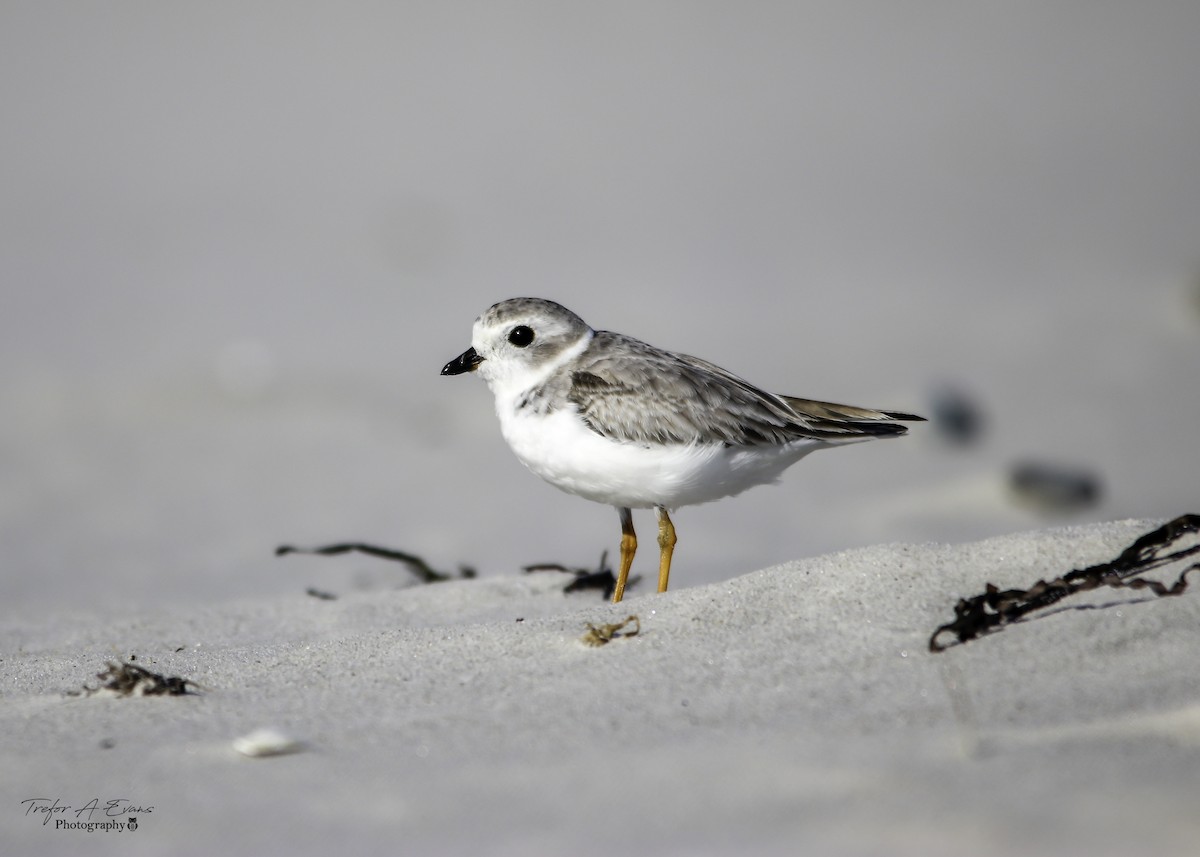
(414, 563)
(995, 607)
(601, 577)
(599, 635)
(129, 679)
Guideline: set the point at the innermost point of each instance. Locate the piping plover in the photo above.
(615, 420)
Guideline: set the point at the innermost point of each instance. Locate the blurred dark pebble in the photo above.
(1052, 488)
(956, 417)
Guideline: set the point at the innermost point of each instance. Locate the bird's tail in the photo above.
(833, 422)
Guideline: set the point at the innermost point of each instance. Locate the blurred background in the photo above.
(239, 240)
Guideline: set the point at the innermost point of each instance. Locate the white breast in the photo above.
(561, 449)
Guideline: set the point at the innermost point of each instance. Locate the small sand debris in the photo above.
(603, 634)
(129, 679)
(957, 417)
(320, 594)
(267, 742)
(1053, 489)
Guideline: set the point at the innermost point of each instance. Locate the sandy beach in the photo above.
(237, 247)
(792, 710)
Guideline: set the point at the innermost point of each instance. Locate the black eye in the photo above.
(521, 335)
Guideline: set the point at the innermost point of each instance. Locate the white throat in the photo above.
(506, 386)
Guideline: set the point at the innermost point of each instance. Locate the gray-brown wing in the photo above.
(628, 390)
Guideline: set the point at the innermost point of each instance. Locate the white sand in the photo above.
(792, 710)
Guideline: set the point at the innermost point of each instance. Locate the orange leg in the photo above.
(666, 547)
(628, 549)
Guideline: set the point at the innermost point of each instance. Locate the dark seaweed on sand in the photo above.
(974, 617)
(601, 577)
(423, 570)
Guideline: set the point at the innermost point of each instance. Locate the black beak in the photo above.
(468, 361)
